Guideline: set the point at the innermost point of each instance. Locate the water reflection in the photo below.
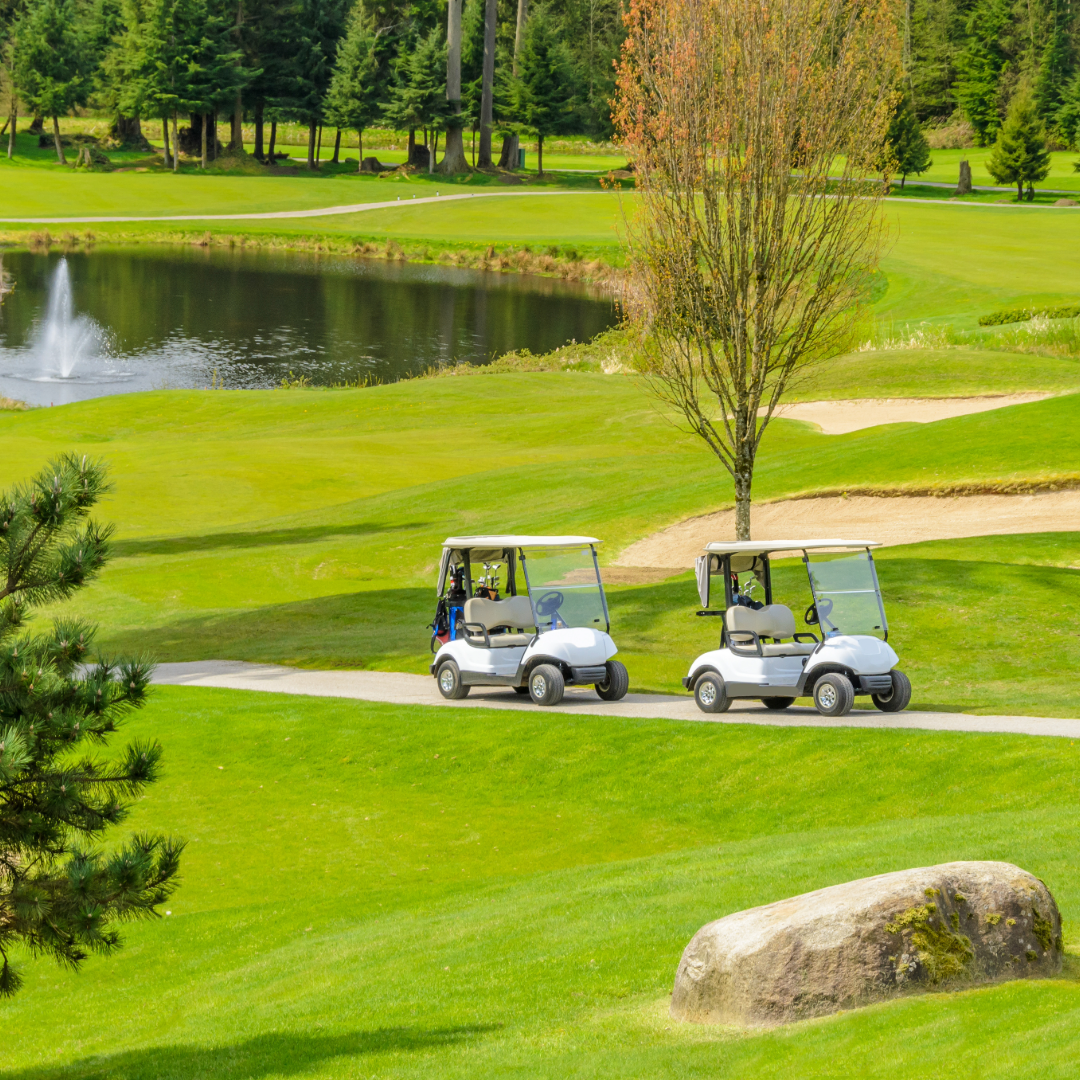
(172, 317)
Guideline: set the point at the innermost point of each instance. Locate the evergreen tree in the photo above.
(544, 89)
(907, 142)
(980, 66)
(58, 896)
(46, 62)
(1067, 120)
(1056, 66)
(419, 98)
(1020, 156)
(353, 98)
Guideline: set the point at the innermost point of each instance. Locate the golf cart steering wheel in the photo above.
(811, 616)
(549, 603)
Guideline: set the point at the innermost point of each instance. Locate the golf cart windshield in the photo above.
(846, 594)
(564, 587)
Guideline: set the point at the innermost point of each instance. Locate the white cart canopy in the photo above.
(496, 540)
(767, 547)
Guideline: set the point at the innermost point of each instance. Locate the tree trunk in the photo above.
(360, 143)
(1019, 190)
(337, 146)
(37, 126)
(433, 147)
(205, 125)
(508, 158)
(318, 149)
(487, 89)
(519, 33)
(260, 156)
(539, 153)
(1030, 193)
(311, 143)
(176, 144)
(963, 186)
(410, 151)
(236, 136)
(273, 139)
(454, 157)
(744, 475)
(56, 139)
(474, 147)
(165, 140)
(903, 180)
(14, 124)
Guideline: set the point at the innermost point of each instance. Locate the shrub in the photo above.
(1000, 318)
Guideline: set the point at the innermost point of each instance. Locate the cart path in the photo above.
(402, 689)
(326, 211)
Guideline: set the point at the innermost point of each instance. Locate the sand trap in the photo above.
(840, 417)
(900, 520)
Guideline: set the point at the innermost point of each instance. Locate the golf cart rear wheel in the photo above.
(710, 693)
(777, 702)
(449, 680)
(614, 687)
(546, 685)
(897, 699)
(834, 695)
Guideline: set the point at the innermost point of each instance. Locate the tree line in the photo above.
(429, 67)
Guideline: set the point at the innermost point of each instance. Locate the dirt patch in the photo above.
(638, 575)
(900, 520)
(840, 417)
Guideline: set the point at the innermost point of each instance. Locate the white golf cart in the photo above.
(762, 656)
(549, 629)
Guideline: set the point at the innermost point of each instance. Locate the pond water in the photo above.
(111, 321)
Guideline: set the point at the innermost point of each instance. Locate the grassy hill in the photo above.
(399, 892)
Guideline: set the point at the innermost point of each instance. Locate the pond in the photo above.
(112, 321)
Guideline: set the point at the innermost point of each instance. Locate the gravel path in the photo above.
(401, 689)
(326, 211)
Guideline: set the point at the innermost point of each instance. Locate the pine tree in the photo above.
(544, 89)
(910, 150)
(1056, 65)
(980, 66)
(419, 99)
(353, 98)
(58, 896)
(46, 62)
(1067, 119)
(1020, 156)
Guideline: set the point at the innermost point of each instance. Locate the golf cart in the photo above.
(543, 628)
(761, 655)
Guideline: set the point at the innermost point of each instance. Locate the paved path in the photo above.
(326, 211)
(402, 689)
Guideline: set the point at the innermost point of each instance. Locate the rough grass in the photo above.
(371, 890)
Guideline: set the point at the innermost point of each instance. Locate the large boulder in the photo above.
(936, 927)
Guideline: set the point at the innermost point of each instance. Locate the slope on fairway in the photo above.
(304, 527)
(371, 890)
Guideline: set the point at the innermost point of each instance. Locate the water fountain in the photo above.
(64, 338)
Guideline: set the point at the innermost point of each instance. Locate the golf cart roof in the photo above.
(496, 540)
(767, 547)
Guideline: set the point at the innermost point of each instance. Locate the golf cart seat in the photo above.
(514, 614)
(773, 621)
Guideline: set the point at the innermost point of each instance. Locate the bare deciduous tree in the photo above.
(754, 126)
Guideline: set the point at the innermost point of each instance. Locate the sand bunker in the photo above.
(840, 417)
(899, 520)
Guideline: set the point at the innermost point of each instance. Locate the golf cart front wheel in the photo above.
(449, 680)
(834, 695)
(896, 700)
(777, 702)
(710, 693)
(614, 687)
(546, 685)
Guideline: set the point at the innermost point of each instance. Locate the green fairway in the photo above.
(304, 527)
(395, 892)
(946, 168)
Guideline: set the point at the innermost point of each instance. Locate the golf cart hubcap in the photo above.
(539, 685)
(707, 693)
(446, 680)
(827, 695)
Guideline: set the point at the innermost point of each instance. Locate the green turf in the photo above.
(305, 526)
(397, 892)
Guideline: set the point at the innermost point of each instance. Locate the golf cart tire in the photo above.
(834, 695)
(449, 681)
(710, 693)
(546, 684)
(897, 700)
(777, 702)
(617, 683)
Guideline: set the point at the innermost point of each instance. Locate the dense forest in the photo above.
(441, 67)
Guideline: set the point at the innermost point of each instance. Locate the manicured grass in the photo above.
(304, 527)
(946, 168)
(371, 890)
